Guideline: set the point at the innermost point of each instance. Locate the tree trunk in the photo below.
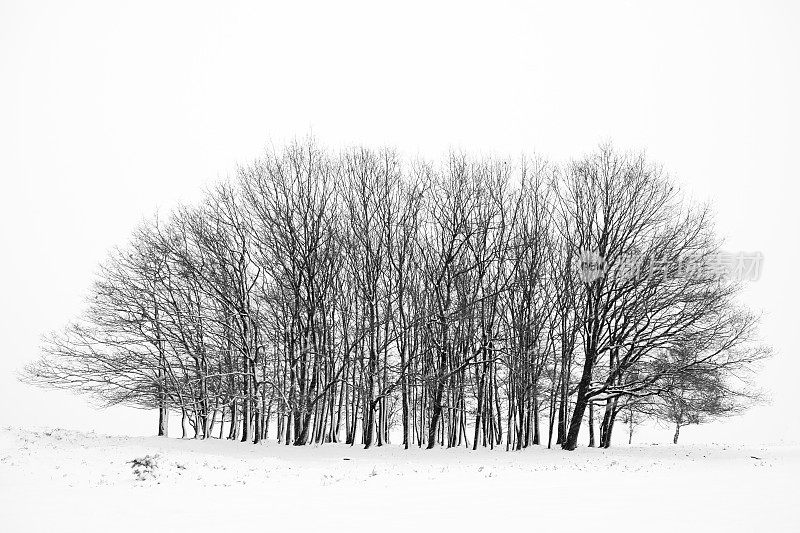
(404, 394)
(233, 434)
(163, 419)
(630, 430)
(581, 402)
(248, 395)
(608, 422)
(436, 415)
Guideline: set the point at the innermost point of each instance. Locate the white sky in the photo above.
(108, 112)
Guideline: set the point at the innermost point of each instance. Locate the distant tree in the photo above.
(700, 396)
(634, 413)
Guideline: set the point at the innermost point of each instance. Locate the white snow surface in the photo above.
(60, 480)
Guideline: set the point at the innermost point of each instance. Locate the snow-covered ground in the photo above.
(59, 480)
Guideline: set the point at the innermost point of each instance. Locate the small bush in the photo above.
(145, 467)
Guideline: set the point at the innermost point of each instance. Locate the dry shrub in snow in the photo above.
(144, 467)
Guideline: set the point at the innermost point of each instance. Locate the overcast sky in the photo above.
(108, 113)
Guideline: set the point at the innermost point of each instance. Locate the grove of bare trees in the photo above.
(358, 297)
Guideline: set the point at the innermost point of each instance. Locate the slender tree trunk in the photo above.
(248, 396)
(630, 430)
